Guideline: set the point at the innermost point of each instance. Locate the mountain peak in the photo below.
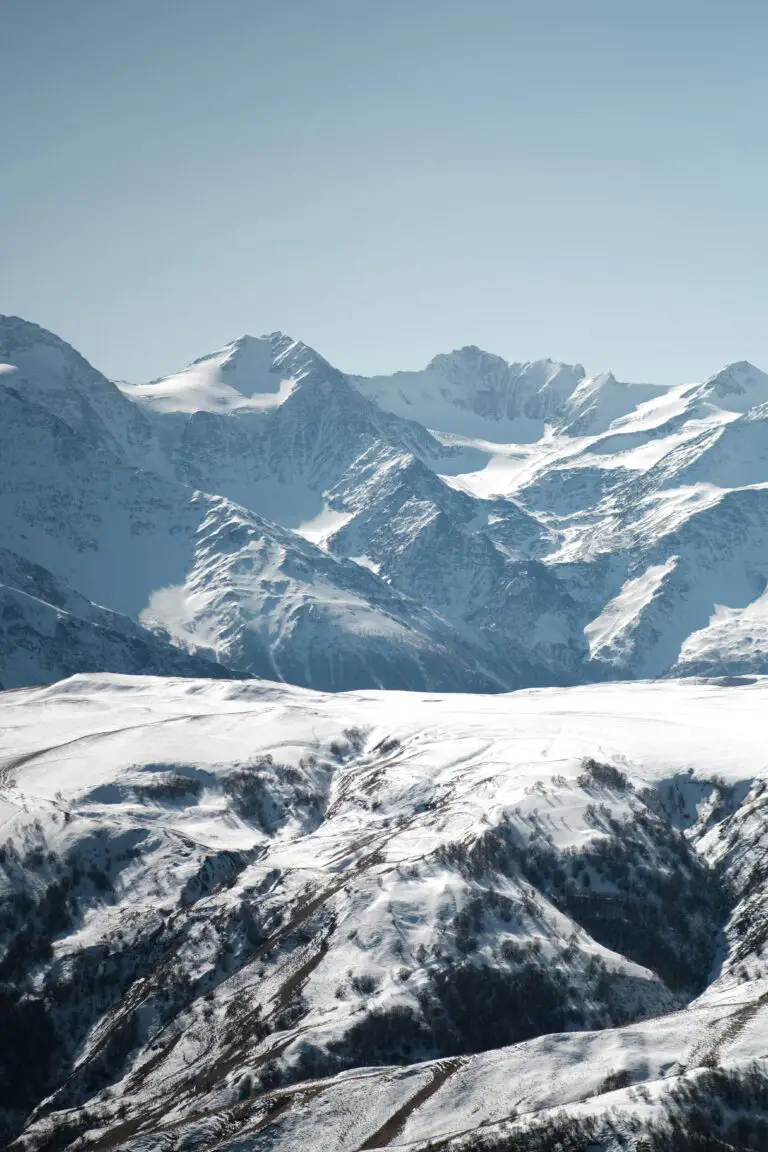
(248, 364)
(246, 344)
(741, 370)
(737, 387)
(477, 393)
(468, 356)
(249, 372)
(18, 335)
(471, 358)
(53, 375)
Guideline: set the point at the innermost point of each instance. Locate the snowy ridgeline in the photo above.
(239, 915)
(474, 526)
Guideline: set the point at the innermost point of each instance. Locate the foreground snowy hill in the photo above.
(239, 915)
(477, 525)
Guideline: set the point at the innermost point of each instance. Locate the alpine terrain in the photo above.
(475, 526)
(382, 760)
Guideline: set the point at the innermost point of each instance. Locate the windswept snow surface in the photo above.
(243, 375)
(616, 619)
(322, 526)
(274, 896)
(735, 640)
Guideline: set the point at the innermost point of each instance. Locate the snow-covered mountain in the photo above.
(78, 498)
(241, 915)
(48, 632)
(473, 393)
(476, 525)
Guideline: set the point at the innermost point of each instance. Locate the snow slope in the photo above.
(49, 632)
(735, 640)
(244, 374)
(241, 904)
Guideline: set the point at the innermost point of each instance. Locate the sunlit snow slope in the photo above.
(230, 909)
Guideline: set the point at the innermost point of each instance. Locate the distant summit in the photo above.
(737, 387)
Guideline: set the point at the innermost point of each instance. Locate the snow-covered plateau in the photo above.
(382, 760)
(243, 915)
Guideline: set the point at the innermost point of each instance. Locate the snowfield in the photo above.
(243, 903)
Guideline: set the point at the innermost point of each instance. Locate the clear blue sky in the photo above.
(388, 179)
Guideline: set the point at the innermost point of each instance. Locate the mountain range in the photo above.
(474, 526)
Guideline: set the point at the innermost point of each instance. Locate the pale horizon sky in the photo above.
(580, 179)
